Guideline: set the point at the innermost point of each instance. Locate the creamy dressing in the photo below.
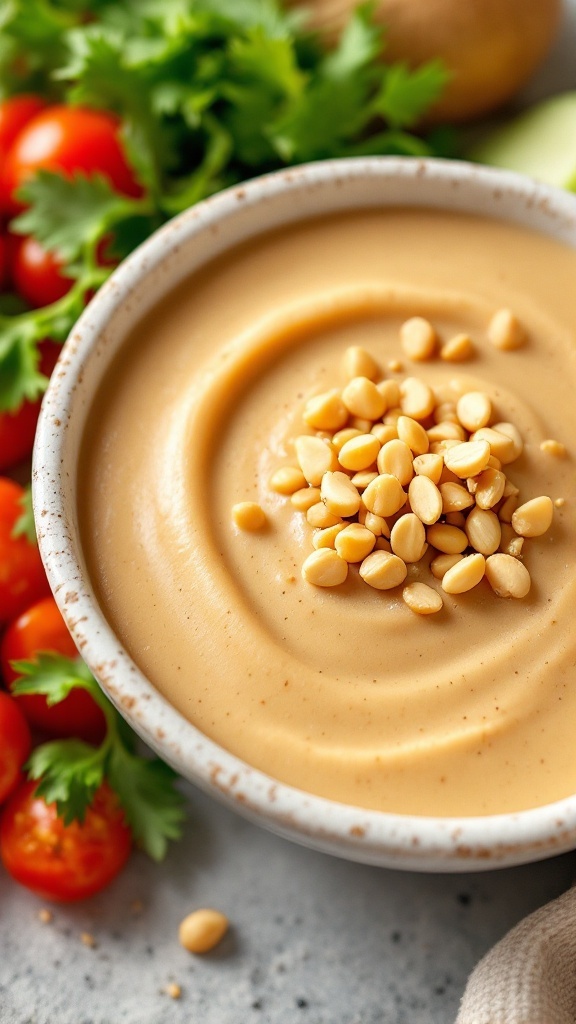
(344, 693)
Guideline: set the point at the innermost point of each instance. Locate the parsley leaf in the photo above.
(71, 771)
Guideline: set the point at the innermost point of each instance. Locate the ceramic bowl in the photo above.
(172, 253)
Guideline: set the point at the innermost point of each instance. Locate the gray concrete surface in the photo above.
(314, 940)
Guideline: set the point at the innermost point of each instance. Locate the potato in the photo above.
(491, 47)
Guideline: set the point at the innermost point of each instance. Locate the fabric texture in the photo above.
(529, 977)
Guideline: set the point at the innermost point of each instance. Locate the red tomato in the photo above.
(42, 628)
(22, 576)
(36, 273)
(67, 139)
(14, 744)
(63, 862)
(15, 113)
(17, 429)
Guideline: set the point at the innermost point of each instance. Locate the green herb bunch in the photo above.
(209, 93)
(71, 771)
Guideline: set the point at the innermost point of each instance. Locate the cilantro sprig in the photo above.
(209, 93)
(71, 771)
(73, 217)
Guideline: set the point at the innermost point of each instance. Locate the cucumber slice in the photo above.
(540, 142)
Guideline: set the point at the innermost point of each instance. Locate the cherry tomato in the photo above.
(15, 113)
(14, 744)
(41, 628)
(67, 139)
(17, 429)
(22, 577)
(63, 862)
(36, 273)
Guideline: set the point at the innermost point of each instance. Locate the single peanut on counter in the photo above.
(202, 930)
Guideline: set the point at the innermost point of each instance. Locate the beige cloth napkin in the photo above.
(529, 977)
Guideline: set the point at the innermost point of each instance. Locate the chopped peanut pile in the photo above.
(394, 472)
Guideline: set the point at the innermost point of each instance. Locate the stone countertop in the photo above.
(314, 940)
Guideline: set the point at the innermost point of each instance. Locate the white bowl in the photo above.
(171, 254)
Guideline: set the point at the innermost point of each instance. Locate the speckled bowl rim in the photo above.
(391, 840)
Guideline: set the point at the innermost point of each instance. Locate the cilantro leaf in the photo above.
(336, 103)
(263, 77)
(244, 15)
(65, 213)
(32, 35)
(360, 44)
(25, 525)
(53, 676)
(405, 95)
(269, 61)
(153, 808)
(99, 74)
(70, 771)
(20, 378)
